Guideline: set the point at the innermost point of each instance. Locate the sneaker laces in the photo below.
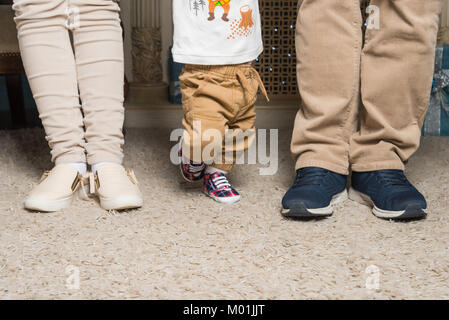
(314, 178)
(195, 167)
(393, 178)
(220, 182)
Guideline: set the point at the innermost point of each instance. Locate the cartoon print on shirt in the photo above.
(225, 4)
(243, 26)
(240, 27)
(197, 6)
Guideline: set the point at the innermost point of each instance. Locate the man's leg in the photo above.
(396, 77)
(328, 45)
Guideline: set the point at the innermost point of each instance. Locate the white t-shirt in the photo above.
(216, 32)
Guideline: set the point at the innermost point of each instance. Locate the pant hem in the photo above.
(322, 164)
(104, 158)
(380, 165)
(70, 158)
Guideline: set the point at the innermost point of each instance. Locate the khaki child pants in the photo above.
(219, 103)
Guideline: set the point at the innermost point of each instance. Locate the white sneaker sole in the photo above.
(41, 205)
(227, 200)
(409, 213)
(317, 212)
(121, 203)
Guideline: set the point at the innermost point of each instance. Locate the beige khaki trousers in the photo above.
(389, 72)
(61, 77)
(219, 112)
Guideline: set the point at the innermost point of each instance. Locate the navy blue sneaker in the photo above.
(314, 193)
(389, 193)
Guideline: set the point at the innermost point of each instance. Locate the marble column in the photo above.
(147, 86)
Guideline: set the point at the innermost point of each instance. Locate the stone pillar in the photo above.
(147, 85)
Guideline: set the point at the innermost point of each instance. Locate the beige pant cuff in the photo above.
(70, 158)
(380, 165)
(322, 164)
(106, 157)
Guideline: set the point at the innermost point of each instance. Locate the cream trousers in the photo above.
(78, 90)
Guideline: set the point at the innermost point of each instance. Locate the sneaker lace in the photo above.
(393, 178)
(221, 182)
(310, 178)
(195, 167)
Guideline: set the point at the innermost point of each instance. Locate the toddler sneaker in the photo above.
(217, 186)
(191, 171)
(55, 190)
(116, 187)
(314, 193)
(389, 194)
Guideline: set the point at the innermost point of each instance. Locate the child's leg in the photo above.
(100, 68)
(50, 66)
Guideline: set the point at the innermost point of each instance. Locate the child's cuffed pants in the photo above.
(391, 73)
(219, 112)
(60, 76)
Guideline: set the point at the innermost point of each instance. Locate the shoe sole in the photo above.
(123, 203)
(228, 200)
(302, 212)
(412, 212)
(48, 206)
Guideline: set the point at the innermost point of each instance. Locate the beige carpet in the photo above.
(182, 245)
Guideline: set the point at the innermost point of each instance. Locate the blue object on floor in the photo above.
(313, 193)
(437, 118)
(390, 194)
(175, 70)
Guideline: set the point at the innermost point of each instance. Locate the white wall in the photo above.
(166, 30)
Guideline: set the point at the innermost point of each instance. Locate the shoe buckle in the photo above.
(45, 176)
(94, 183)
(132, 176)
(76, 182)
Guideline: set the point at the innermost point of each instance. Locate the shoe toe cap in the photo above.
(304, 198)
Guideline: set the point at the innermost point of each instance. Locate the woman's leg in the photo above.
(50, 66)
(98, 44)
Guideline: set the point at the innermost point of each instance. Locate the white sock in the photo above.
(95, 166)
(80, 166)
(211, 169)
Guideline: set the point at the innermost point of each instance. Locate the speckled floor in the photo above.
(182, 245)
